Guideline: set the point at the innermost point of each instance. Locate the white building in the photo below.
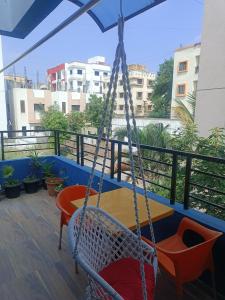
(26, 105)
(141, 82)
(3, 118)
(80, 77)
(210, 105)
(185, 74)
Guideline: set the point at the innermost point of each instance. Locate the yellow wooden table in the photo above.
(119, 204)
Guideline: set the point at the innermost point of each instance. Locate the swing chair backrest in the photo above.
(102, 241)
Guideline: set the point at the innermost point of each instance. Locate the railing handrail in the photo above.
(59, 143)
(159, 149)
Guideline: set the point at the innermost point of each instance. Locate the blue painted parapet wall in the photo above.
(76, 174)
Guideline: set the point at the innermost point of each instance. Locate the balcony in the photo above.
(29, 224)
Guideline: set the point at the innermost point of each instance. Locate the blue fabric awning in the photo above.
(106, 12)
(19, 17)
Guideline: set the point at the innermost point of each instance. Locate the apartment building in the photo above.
(141, 82)
(210, 104)
(25, 106)
(80, 77)
(185, 74)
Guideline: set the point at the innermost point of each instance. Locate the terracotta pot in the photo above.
(52, 183)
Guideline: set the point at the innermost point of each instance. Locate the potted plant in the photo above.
(32, 181)
(46, 172)
(52, 183)
(11, 185)
(31, 184)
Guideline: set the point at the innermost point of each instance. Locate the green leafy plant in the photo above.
(47, 169)
(7, 173)
(59, 188)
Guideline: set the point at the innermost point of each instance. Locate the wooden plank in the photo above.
(119, 203)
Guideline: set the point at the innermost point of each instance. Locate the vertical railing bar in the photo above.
(112, 165)
(187, 182)
(173, 179)
(2, 145)
(58, 143)
(119, 161)
(55, 142)
(78, 148)
(82, 150)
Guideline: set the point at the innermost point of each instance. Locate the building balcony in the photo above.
(31, 264)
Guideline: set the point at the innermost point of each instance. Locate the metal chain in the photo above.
(100, 134)
(109, 125)
(133, 177)
(140, 162)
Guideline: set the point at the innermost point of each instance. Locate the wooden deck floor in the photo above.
(32, 267)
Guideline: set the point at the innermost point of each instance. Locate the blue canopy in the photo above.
(106, 12)
(19, 17)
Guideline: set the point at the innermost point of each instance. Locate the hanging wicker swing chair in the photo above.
(118, 263)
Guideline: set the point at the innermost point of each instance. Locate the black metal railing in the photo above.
(188, 178)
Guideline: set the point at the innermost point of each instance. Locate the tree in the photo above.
(54, 119)
(183, 113)
(162, 91)
(76, 121)
(94, 110)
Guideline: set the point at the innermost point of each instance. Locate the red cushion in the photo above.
(124, 276)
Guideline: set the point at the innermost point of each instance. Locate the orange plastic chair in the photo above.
(183, 263)
(63, 202)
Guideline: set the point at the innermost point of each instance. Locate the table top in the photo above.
(119, 203)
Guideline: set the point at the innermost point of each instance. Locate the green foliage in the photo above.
(47, 168)
(7, 173)
(76, 121)
(203, 186)
(94, 110)
(54, 119)
(186, 114)
(162, 91)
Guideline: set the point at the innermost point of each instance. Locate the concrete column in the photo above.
(3, 117)
(210, 106)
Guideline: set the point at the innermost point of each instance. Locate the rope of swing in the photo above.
(107, 122)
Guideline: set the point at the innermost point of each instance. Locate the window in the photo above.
(121, 82)
(121, 95)
(139, 107)
(71, 85)
(149, 107)
(96, 83)
(79, 83)
(75, 107)
(182, 67)
(64, 107)
(39, 107)
(139, 95)
(96, 73)
(149, 96)
(120, 107)
(114, 107)
(22, 106)
(139, 81)
(181, 89)
(105, 74)
(71, 72)
(150, 83)
(79, 72)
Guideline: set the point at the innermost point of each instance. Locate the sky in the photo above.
(150, 38)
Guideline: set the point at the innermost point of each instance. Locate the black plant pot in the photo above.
(32, 186)
(12, 191)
